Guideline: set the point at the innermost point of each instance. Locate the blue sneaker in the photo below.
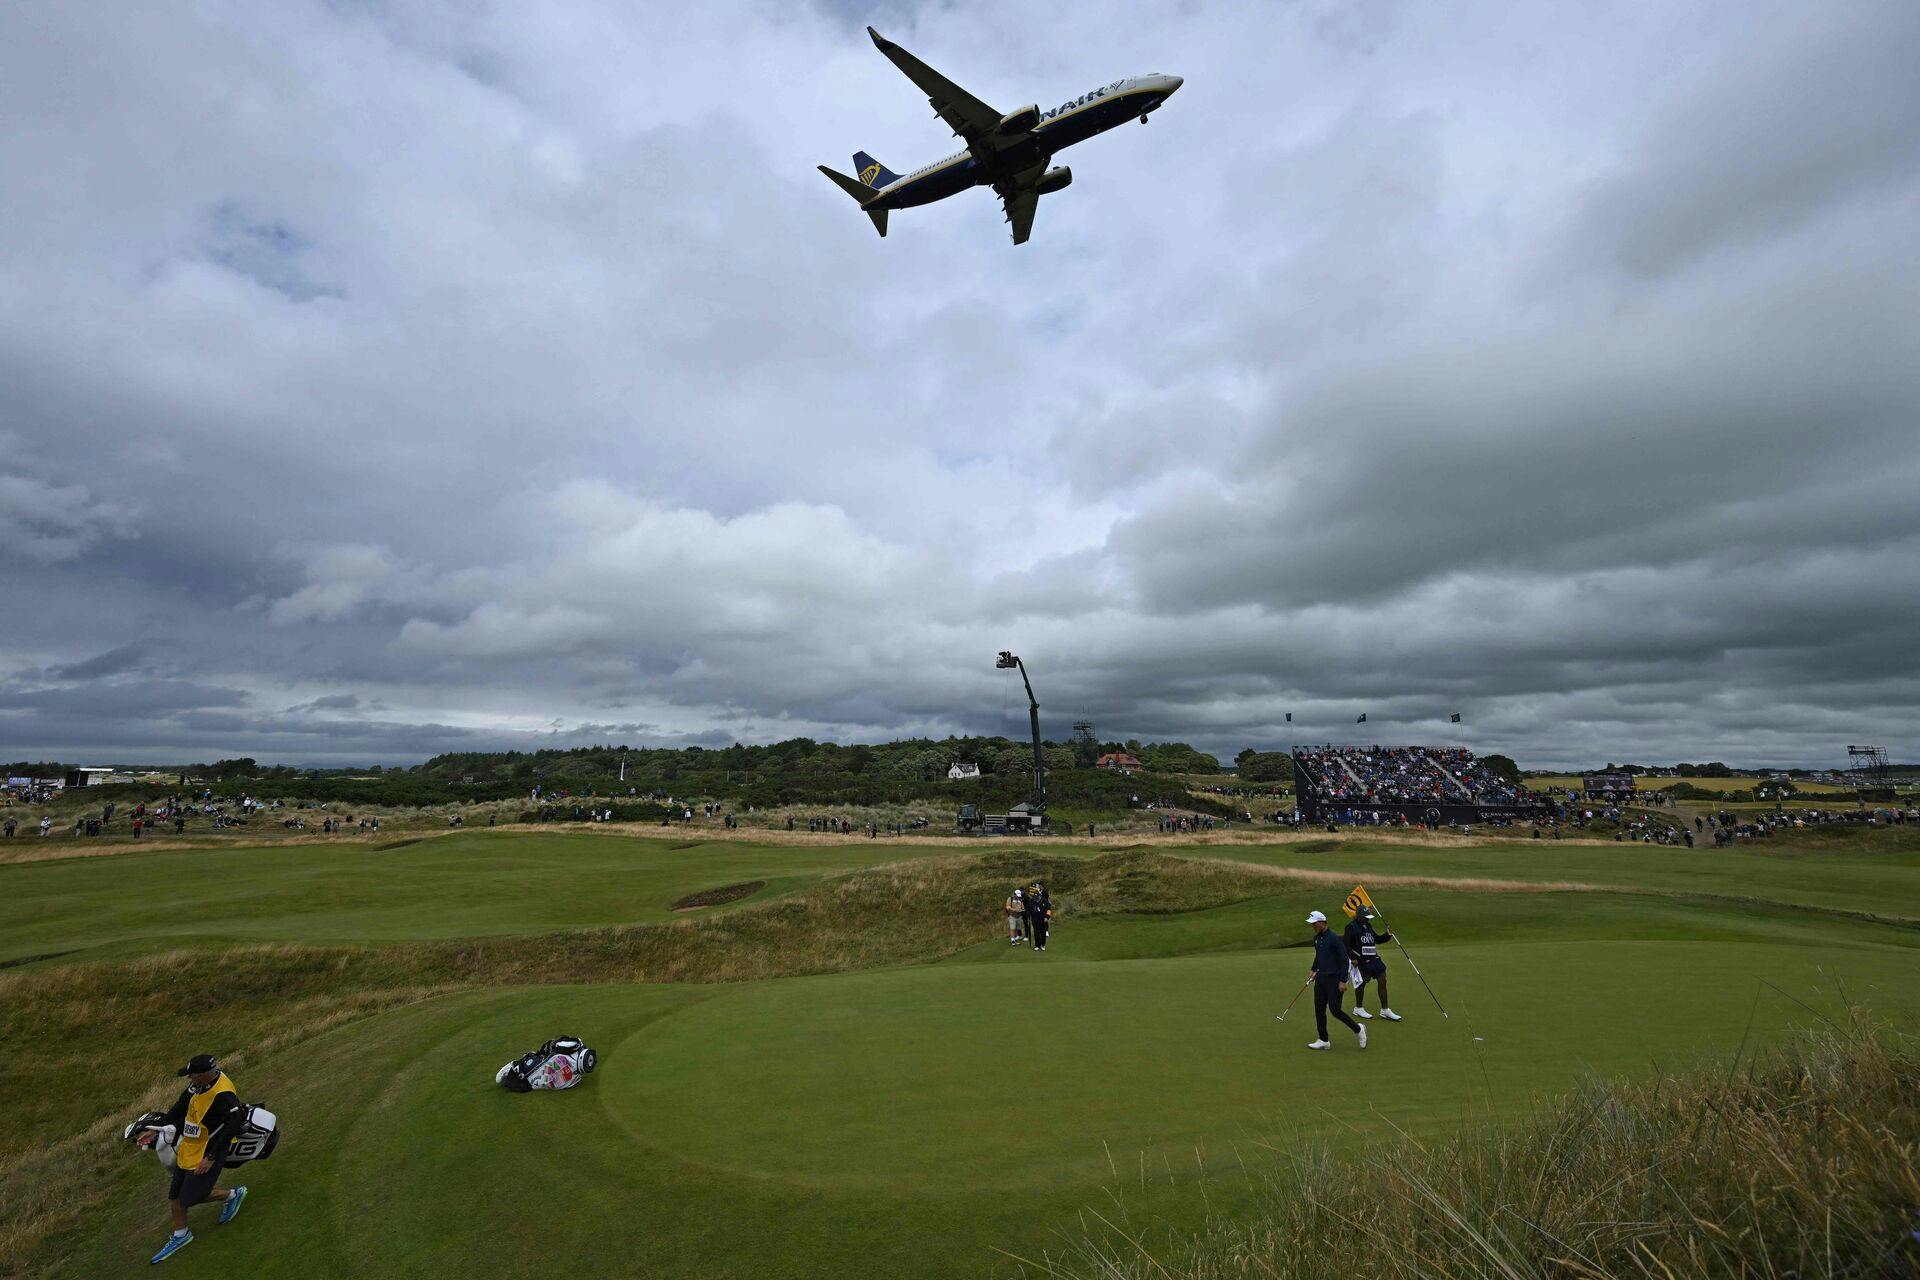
(233, 1203)
(173, 1245)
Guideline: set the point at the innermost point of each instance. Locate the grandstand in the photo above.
(1394, 785)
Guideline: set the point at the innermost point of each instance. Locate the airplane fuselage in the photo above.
(1095, 111)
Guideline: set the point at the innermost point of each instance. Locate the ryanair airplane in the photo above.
(1009, 151)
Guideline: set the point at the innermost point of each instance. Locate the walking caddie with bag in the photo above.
(207, 1117)
(1329, 980)
(1363, 945)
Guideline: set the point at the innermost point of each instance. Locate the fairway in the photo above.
(457, 886)
(936, 1118)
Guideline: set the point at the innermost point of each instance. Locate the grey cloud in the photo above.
(266, 251)
(49, 522)
(1414, 361)
(128, 698)
(1825, 110)
(113, 662)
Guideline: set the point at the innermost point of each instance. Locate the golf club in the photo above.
(1296, 996)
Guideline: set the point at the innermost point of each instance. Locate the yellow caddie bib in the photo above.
(193, 1131)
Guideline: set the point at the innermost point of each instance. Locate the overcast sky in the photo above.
(381, 378)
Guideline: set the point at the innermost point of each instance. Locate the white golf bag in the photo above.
(560, 1063)
(259, 1135)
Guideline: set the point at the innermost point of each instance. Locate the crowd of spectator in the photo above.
(1728, 826)
(1356, 778)
(1477, 780)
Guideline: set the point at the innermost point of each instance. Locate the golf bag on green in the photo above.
(560, 1063)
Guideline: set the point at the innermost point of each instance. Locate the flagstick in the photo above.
(1423, 978)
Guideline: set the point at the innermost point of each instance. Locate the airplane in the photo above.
(1008, 151)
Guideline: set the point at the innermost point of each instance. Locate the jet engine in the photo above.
(1053, 180)
(1020, 121)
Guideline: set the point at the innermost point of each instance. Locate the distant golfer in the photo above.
(207, 1117)
(1039, 913)
(1363, 947)
(1329, 978)
(1016, 918)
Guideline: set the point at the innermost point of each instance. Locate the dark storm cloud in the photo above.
(374, 383)
(130, 698)
(331, 702)
(113, 662)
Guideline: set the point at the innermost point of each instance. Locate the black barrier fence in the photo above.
(1348, 813)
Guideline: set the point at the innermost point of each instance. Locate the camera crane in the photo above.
(1023, 819)
(1006, 661)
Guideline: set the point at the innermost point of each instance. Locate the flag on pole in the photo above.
(1362, 719)
(1356, 900)
(1455, 717)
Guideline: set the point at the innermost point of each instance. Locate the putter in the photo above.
(1296, 996)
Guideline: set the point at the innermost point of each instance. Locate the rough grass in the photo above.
(718, 897)
(1804, 1163)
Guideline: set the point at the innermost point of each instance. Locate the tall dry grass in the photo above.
(1803, 1163)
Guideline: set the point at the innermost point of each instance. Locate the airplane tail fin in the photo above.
(861, 192)
(872, 172)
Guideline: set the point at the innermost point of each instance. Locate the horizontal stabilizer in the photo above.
(861, 192)
(852, 186)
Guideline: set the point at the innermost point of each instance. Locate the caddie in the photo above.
(1363, 940)
(207, 1117)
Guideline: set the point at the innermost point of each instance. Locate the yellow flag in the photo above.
(1356, 900)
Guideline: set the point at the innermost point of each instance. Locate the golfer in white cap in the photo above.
(1329, 979)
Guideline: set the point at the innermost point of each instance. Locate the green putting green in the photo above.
(937, 1119)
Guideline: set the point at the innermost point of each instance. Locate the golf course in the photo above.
(840, 1066)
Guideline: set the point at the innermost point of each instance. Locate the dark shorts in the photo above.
(191, 1188)
(1372, 968)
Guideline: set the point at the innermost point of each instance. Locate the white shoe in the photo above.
(1361, 1013)
(1363, 1037)
(1390, 1015)
(1319, 1044)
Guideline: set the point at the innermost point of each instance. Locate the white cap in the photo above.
(1314, 917)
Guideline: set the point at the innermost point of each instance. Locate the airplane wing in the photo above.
(1020, 197)
(971, 120)
(1020, 206)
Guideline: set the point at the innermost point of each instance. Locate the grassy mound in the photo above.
(1804, 1162)
(718, 897)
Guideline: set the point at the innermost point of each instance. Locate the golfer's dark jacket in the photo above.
(1039, 903)
(1329, 957)
(222, 1123)
(1361, 940)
